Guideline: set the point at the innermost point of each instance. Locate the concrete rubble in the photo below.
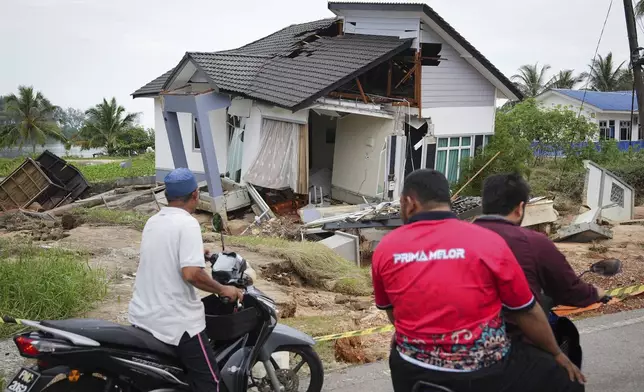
(607, 198)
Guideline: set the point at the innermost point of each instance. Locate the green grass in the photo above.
(38, 283)
(103, 216)
(314, 262)
(141, 166)
(7, 165)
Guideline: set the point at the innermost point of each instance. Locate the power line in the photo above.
(599, 41)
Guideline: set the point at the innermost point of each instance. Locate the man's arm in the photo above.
(192, 262)
(380, 294)
(560, 282)
(534, 325)
(199, 278)
(517, 298)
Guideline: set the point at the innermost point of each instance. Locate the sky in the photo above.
(76, 52)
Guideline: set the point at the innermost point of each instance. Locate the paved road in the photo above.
(613, 359)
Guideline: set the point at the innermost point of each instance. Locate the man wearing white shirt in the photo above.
(165, 301)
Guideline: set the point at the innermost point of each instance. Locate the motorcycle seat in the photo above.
(112, 334)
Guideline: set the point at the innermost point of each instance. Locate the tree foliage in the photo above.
(134, 140)
(553, 130)
(105, 124)
(531, 80)
(566, 79)
(70, 121)
(606, 75)
(28, 118)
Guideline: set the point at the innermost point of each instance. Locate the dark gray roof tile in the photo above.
(284, 70)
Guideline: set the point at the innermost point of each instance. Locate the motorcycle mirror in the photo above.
(608, 267)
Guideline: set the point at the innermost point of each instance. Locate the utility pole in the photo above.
(636, 61)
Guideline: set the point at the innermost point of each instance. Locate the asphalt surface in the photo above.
(613, 359)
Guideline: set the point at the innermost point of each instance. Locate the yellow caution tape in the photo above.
(626, 291)
(619, 292)
(350, 334)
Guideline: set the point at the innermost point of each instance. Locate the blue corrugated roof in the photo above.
(621, 101)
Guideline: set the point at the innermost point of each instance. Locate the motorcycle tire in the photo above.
(312, 359)
(86, 383)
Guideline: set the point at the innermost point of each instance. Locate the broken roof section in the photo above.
(446, 31)
(290, 68)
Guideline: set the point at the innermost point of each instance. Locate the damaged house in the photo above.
(342, 107)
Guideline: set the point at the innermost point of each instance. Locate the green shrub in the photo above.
(141, 166)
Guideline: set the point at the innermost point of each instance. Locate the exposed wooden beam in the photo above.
(406, 78)
(337, 94)
(364, 96)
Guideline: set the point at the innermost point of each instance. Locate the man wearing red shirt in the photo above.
(444, 283)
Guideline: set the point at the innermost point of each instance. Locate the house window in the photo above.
(449, 154)
(625, 130)
(195, 136)
(607, 130)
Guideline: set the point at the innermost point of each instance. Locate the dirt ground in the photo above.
(317, 312)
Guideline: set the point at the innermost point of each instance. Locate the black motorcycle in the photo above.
(99, 356)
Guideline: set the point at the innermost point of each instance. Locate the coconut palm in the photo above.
(29, 118)
(566, 79)
(606, 76)
(531, 79)
(105, 123)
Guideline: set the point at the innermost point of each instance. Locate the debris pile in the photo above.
(48, 182)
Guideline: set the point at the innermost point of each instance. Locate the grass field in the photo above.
(38, 283)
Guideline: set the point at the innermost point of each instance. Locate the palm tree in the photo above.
(531, 79)
(106, 122)
(29, 117)
(566, 79)
(639, 8)
(605, 76)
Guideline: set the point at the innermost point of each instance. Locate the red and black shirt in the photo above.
(447, 281)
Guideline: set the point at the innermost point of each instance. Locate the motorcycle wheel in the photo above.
(309, 357)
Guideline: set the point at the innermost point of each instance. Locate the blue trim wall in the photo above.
(550, 152)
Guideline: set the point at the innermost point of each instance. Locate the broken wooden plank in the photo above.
(364, 96)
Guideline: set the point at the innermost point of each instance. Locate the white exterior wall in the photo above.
(359, 141)
(391, 23)
(460, 121)
(163, 155)
(454, 82)
(552, 100)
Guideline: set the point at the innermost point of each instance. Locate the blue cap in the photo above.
(180, 182)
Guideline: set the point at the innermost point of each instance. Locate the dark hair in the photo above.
(502, 193)
(183, 199)
(428, 186)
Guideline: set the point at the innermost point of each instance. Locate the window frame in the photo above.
(458, 147)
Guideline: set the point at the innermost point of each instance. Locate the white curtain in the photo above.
(276, 165)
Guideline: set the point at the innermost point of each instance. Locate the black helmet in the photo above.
(228, 268)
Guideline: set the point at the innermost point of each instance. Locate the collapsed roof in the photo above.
(290, 68)
(296, 65)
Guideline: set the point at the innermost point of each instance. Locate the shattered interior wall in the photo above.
(359, 141)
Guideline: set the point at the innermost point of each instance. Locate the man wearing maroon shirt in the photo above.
(504, 201)
(443, 283)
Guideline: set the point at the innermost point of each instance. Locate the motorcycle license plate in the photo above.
(23, 381)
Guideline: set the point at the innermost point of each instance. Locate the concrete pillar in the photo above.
(174, 138)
